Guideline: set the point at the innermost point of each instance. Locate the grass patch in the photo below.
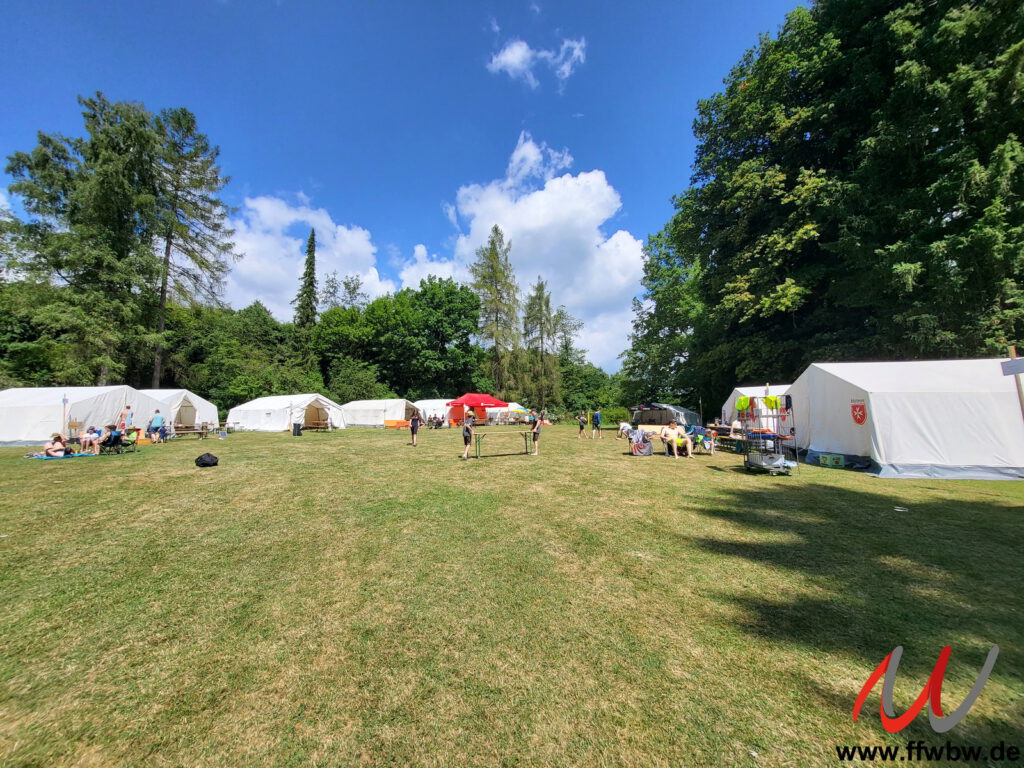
(346, 599)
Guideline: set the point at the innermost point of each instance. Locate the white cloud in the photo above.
(5, 204)
(495, 28)
(518, 60)
(423, 265)
(271, 234)
(555, 224)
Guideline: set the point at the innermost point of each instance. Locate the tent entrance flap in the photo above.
(186, 415)
(315, 415)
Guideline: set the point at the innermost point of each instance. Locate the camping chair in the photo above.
(702, 440)
(640, 443)
(112, 444)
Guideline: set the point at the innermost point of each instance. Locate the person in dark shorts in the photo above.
(536, 432)
(582, 419)
(595, 422)
(414, 427)
(467, 435)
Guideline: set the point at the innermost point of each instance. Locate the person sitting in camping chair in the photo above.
(111, 442)
(701, 438)
(130, 440)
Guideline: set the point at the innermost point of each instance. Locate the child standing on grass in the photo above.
(582, 419)
(595, 422)
(414, 427)
(467, 435)
(536, 432)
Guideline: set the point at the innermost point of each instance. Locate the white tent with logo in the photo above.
(374, 413)
(764, 415)
(430, 409)
(32, 414)
(279, 412)
(936, 418)
(184, 408)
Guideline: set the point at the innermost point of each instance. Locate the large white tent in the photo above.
(185, 408)
(430, 409)
(32, 414)
(945, 418)
(373, 413)
(765, 415)
(279, 412)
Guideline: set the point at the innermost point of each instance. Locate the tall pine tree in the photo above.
(193, 220)
(305, 301)
(494, 281)
(539, 335)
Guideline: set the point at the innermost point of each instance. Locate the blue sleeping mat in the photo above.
(60, 458)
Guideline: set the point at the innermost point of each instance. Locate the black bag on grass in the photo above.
(207, 460)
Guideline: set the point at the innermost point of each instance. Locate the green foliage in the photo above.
(350, 379)
(856, 195)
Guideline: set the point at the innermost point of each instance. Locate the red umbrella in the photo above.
(476, 400)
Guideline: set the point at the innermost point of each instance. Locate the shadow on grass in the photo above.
(939, 573)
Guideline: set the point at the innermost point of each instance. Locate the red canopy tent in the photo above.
(477, 402)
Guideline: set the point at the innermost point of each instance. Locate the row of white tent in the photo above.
(32, 414)
(949, 418)
(279, 412)
(936, 418)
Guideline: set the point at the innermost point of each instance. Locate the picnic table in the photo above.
(201, 433)
(527, 438)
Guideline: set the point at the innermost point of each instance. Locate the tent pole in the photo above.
(1020, 388)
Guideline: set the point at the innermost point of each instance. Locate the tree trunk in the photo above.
(158, 355)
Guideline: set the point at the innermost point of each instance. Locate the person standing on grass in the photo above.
(124, 418)
(467, 435)
(595, 422)
(414, 427)
(582, 419)
(156, 426)
(536, 432)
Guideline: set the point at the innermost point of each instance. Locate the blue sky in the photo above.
(402, 131)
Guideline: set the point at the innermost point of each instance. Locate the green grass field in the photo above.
(345, 599)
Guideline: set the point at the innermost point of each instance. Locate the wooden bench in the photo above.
(527, 438)
(200, 433)
(318, 426)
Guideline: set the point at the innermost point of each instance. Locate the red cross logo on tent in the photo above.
(859, 411)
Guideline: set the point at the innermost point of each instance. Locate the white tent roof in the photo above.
(278, 412)
(434, 407)
(33, 414)
(934, 418)
(373, 413)
(174, 399)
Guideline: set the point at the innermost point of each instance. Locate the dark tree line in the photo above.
(857, 195)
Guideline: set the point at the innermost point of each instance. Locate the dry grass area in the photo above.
(346, 599)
